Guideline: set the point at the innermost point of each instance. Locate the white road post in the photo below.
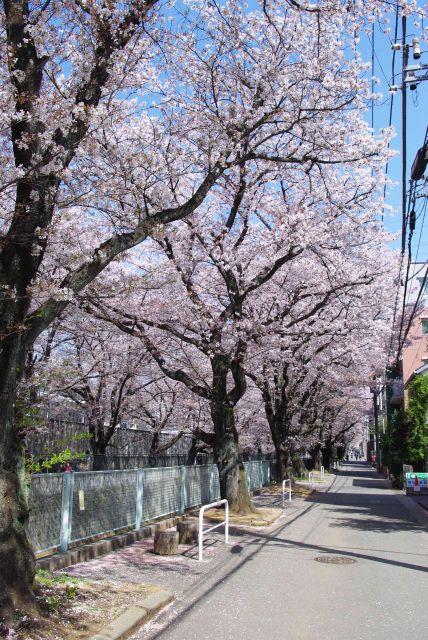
(201, 524)
(283, 491)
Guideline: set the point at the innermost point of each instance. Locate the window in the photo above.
(424, 323)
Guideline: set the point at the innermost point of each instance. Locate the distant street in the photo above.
(271, 586)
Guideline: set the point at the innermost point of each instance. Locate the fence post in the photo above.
(182, 489)
(139, 498)
(66, 510)
(212, 497)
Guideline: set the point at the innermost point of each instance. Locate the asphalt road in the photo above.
(270, 585)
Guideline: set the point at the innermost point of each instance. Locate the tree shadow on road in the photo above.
(259, 541)
(371, 512)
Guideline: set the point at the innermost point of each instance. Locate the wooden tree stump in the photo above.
(166, 543)
(187, 532)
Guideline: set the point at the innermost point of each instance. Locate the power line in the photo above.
(422, 213)
(412, 315)
(410, 218)
(375, 56)
(395, 306)
(410, 215)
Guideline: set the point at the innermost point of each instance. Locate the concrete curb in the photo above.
(101, 547)
(134, 617)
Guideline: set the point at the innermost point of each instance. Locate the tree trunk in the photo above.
(298, 465)
(279, 421)
(283, 451)
(231, 470)
(284, 463)
(17, 561)
(327, 454)
(191, 455)
(227, 455)
(99, 456)
(166, 543)
(317, 457)
(98, 441)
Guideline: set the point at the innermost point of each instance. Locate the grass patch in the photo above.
(73, 608)
(300, 491)
(261, 517)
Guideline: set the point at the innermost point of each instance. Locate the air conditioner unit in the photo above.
(419, 164)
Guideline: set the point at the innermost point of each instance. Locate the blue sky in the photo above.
(417, 121)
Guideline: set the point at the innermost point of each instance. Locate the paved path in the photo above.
(268, 585)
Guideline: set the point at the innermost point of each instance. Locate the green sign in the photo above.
(416, 482)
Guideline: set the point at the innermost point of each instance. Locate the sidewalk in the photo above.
(180, 573)
(183, 575)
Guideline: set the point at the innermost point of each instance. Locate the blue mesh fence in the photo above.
(45, 516)
(254, 474)
(100, 502)
(265, 468)
(103, 501)
(201, 484)
(161, 492)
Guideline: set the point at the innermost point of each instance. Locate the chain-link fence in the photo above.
(103, 501)
(67, 508)
(45, 518)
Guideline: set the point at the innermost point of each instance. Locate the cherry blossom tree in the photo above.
(262, 262)
(212, 268)
(331, 321)
(109, 379)
(121, 117)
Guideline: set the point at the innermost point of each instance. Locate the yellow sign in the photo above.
(81, 500)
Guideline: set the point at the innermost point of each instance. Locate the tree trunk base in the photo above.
(247, 510)
(238, 495)
(17, 561)
(166, 543)
(187, 532)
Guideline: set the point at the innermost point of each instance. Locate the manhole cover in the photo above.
(335, 560)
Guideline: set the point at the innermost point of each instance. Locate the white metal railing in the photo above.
(322, 473)
(201, 523)
(283, 491)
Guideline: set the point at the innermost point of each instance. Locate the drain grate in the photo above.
(335, 560)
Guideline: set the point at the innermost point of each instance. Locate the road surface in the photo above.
(272, 585)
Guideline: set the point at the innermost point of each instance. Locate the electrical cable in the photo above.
(410, 208)
(412, 315)
(394, 317)
(374, 55)
(409, 256)
(410, 215)
(422, 213)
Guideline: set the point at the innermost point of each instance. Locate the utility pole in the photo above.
(376, 426)
(404, 138)
(412, 75)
